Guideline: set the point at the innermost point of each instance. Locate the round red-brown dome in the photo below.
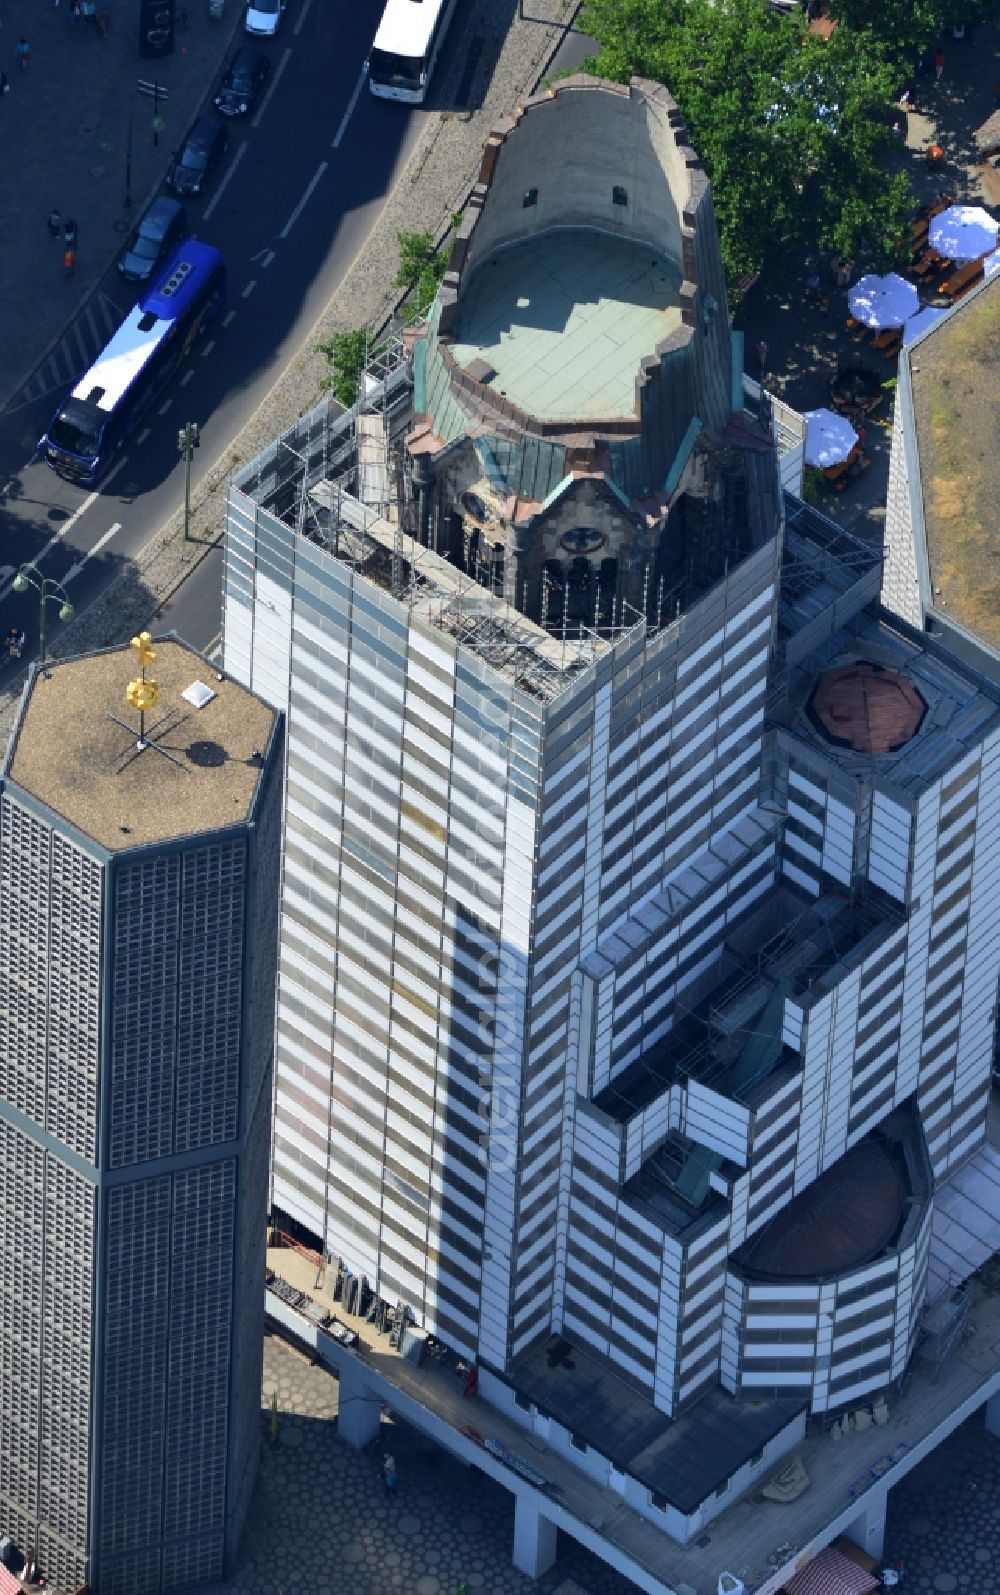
(863, 707)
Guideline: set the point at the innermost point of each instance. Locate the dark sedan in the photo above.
(244, 78)
(198, 156)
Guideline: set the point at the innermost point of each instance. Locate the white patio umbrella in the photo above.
(883, 301)
(991, 265)
(963, 232)
(829, 438)
(919, 323)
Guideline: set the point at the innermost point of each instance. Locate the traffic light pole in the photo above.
(188, 439)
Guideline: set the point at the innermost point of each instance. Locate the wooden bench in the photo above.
(889, 342)
(963, 279)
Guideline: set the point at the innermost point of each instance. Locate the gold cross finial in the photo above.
(143, 647)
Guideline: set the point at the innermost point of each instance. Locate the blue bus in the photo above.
(142, 356)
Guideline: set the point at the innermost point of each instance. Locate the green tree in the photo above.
(346, 353)
(421, 268)
(907, 28)
(791, 129)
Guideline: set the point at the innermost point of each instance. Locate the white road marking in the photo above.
(229, 318)
(249, 288)
(303, 202)
(75, 570)
(78, 335)
(352, 102)
(165, 406)
(265, 102)
(209, 208)
(94, 329)
(186, 378)
(301, 18)
(266, 259)
(71, 520)
(144, 434)
(210, 345)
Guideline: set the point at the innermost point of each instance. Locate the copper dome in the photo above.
(864, 707)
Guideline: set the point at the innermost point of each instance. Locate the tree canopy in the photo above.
(907, 28)
(790, 128)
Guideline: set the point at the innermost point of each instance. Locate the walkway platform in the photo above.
(760, 1541)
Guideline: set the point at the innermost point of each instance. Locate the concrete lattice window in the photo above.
(619, 195)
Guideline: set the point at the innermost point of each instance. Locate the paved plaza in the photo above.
(943, 1522)
(322, 1523)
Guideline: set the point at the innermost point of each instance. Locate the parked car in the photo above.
(198, 156)
(242, 81)
(263, 17)
(163, 225)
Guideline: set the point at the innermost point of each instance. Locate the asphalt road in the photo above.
(305, 176)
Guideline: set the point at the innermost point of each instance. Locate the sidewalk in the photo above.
(64, 127)
(805, 347)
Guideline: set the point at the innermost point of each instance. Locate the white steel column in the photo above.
(359, 1412)
(868, 1530)
(534, 1539)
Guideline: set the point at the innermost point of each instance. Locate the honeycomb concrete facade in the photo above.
(136, 1014)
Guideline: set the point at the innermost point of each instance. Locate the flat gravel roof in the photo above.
(69, 753)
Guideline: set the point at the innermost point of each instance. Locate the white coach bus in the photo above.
(406, 47)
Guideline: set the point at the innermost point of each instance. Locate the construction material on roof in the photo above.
(787, 1485)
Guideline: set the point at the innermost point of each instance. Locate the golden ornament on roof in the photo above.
(143, 645)
(142, 694)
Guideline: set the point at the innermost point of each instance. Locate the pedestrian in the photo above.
(55, 223)
(939, 63)
(104, 22)
(762, 356)
(69, 261)
(69, 232)
(23, 52)
(75, 11)
(898, 129)
(4, 83)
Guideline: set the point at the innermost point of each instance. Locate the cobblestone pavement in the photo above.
(943, 1522)
(321, 1521)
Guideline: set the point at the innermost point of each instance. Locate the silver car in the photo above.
(263, 17)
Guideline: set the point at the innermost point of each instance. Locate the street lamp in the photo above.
(49, 591)
(188, 439)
